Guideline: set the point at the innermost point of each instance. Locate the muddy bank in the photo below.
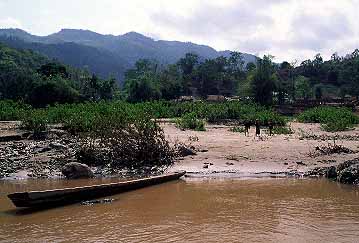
(215, 152)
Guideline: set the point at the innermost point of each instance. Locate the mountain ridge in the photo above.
(123, 50)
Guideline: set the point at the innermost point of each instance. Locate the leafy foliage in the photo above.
(263, 81)
(302, 87)
(35, 121)
(86, 117)
(12, 111)
(32, 78)
(332, 119)
(190, 121)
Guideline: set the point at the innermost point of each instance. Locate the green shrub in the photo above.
(332, 119)
(336, 126)
(190, 121)
(12, 111)
(35, 121)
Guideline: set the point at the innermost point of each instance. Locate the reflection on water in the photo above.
(206, 210)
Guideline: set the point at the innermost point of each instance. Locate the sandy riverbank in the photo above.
(233, 152)
(219, 151)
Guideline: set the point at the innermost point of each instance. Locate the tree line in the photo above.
(35, 79)
(265, 81)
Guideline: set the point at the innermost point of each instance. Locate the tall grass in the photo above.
(332, 119)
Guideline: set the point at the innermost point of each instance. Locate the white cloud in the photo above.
(10, 23)
(287, 29)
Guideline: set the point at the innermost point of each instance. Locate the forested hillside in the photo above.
(33, 78)
(108, 54)
(26, 75)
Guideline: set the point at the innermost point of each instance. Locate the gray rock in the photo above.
(184, 151)
(349, 175)
(331, 173)
(40, 149)
(76, 170)
(58, 146)
(58, 132)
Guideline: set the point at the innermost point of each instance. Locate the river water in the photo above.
(193, 210)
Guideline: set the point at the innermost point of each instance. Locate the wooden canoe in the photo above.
(65, 196)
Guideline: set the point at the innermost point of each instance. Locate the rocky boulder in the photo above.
(348, 172)
(331, 173)
(184, 151)
(76, 170)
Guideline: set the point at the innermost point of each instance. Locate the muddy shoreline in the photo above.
(218, 152)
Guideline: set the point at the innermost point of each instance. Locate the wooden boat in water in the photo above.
(65, 196)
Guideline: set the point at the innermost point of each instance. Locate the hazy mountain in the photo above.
(101, 62)
(107, 54)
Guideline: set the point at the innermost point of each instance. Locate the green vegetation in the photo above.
(263, 81)
(35, 121)
(89, 116)
(302, 88)
(12, 111)
(190, 121)
(32, 78)
(332, 119)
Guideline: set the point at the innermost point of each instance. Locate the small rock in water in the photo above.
(229, 163)
(205, 166)
(76, 170)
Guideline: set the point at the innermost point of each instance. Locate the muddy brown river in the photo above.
(193, 210)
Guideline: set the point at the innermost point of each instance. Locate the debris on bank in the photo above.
(347, 172)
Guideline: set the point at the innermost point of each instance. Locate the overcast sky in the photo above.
(287, 29)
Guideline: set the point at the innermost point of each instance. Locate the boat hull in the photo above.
(65, 196)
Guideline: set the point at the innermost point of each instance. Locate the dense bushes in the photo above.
(190, 121)
(12, 111)
(51, 91)
(332, 119)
